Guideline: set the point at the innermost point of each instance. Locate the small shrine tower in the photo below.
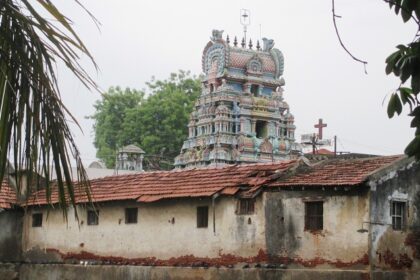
(241, 116)
(130, 158)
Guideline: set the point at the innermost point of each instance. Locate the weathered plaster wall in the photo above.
(394, 249)
(337, 245)
(154, 236)
(10, 235)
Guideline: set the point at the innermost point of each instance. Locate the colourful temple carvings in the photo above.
(241, 116)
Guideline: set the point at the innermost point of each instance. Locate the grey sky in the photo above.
(141, 39)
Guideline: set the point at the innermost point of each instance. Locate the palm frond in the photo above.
(34, 134)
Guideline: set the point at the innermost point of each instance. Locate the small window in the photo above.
(255, 90)
(246, 206)
(92, 217)
(398, 209)
(202, 216)
(314, 215)
(37, 220)
(131, 215)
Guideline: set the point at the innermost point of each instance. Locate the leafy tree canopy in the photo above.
(405, 64)
(109, 117)
(156, 120)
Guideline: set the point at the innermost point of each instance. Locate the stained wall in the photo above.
(337, 245)
(11, 221)
(164, 230)
(396, 250)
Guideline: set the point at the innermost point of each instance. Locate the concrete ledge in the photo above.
(111, 272)
(10, 271)
(394, 275)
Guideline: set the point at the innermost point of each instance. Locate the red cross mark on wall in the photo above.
(320, 126)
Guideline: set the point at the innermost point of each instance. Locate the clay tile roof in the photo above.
(337, 172)
(153, 186)
(7, 196)
(226, 180)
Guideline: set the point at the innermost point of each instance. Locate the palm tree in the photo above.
(34, 134)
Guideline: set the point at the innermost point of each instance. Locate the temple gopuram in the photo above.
(241, 116)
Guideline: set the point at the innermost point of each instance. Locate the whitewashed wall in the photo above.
(154, 235)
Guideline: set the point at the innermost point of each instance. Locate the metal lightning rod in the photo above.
(245, 20)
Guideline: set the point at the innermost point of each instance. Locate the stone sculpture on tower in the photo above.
(241, 116)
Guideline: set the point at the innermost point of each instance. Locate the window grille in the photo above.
(131, 215)
(314, 215)
(202, 216)
(398, 213)
(92, 217)
(246, 206)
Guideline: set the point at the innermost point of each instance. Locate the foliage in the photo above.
(405, 64)
(34, 134)
(109, 117)
(157, 123)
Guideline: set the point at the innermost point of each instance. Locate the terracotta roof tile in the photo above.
(7, 196)
(230, 190)
(337, 172)
(153, 186)
(227, 180)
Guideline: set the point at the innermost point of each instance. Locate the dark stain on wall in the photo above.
(38, 255)
(397, 262)
(226, 260)
(11, 223)
(413, 241)
(398, 250)
(413, 238)
(280, 233)
(262, 259)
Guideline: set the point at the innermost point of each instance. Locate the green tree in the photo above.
(158, 123)
(34, 133)
(405, 64)
(109, 117)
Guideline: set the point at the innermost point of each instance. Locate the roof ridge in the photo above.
(378, 170)
(196, 169)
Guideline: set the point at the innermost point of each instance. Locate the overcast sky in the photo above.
(141, 39)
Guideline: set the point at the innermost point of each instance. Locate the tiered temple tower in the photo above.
(241, 116)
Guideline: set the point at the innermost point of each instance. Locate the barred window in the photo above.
(314, 215)
(246, 206)
(37, 220)
(202, 216)
(131, 215)
(92, 217)
(398, 214)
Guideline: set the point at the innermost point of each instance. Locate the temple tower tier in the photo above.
(130, 158)
(241, 116)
